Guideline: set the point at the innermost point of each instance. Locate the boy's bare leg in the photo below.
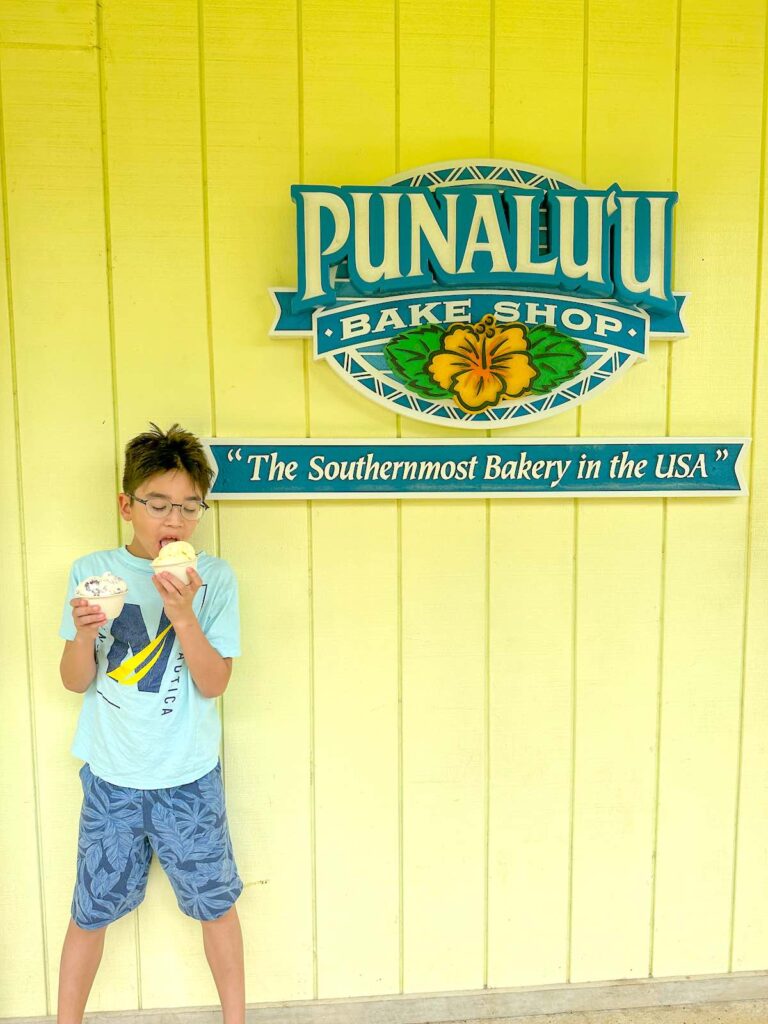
(80, 959)
(223, 944)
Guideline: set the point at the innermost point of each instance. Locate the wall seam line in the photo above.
(400, 752)
(205, 211)
(202, 98)
(101, 73)
(399, 515)
(312, 792)
(488, 506)
(487, 746)
(575, 557)
(664, 541)
(104, 143)
(23, 546)
(397, 88)
(201, 93)
(492, 73)
(310, 547)
(572, 793)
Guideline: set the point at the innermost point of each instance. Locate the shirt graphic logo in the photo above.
(146, 667)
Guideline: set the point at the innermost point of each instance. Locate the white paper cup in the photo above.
(177, 569)
(111, 605)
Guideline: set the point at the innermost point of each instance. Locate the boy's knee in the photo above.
(98, 931)
(224, 918)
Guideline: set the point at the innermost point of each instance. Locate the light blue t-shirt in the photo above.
(143, 722)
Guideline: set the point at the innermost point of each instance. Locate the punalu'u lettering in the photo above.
(604, 244)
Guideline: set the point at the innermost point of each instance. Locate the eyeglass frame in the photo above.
(174, 504)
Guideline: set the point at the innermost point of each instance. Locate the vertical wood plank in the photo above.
(354, 551)
(705, 583)
(532, 563)
(444, 114)
(23, 990)
(152, 106)
(55, 215)
(251, 104)
(750, 928)
(334, 153)
(630, 139)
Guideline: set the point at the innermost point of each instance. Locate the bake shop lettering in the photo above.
(572, 318)
(480, 294)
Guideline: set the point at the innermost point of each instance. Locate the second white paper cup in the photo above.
(177, 569)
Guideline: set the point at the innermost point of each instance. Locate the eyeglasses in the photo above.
(159, 508)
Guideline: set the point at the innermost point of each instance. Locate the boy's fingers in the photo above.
(86, 614)
(90, 622)
(170, 583)
(92, 616)
(163, 587)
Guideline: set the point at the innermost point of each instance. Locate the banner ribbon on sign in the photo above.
(484, 468)
(351, 303)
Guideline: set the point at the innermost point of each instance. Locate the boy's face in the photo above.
(150, 533)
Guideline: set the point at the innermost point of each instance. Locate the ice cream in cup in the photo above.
(175, 558)
(107, 591)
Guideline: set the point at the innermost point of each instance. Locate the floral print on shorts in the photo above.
(186, 826)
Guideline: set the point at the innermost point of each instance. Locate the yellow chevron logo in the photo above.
(132, 670)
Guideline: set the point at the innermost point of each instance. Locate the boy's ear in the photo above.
(125, 506)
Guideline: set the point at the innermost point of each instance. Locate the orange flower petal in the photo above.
(475, 390)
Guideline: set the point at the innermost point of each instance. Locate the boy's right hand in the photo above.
(89, 618)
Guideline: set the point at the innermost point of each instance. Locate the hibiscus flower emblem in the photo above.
(484, 363)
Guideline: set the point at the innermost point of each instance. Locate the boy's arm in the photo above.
(210, 672)
(78, 662)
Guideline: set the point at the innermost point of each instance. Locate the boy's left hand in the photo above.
(177, 596)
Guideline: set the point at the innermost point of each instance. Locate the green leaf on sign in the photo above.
(408, 356)
(555, 356)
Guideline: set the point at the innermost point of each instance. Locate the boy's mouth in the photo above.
(167, 540)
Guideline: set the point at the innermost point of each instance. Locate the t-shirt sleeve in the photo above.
(67, 629)
(222, 623)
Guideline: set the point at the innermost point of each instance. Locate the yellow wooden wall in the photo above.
(468, 743)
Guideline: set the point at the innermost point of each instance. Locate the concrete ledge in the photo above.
(481, 1005)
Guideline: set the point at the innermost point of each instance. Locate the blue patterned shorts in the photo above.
(186, 826)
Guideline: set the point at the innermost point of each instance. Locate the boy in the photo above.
(149, 733)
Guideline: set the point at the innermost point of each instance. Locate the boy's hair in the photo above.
(155, 452)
